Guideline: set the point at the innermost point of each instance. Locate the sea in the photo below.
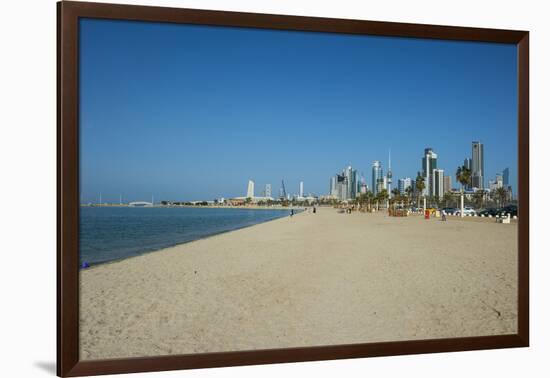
(114, 233)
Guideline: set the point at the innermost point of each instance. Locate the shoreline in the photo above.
(199, 207)
(313, 279)
(97, 264)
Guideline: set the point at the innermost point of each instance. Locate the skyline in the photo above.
(194, 112)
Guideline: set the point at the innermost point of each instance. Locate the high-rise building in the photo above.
(429, 163)
(389, 174)
(250, 190)
(376, 176)
(267, 190)
(352, 179)
(506, 177)
(477, 165)
(468, 165)
(403, 184)
(345, 186)
(333, 192)
(447, 184)
(437, 183)
(499, 181)
(301, 189)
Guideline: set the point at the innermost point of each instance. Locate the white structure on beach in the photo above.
(250, 190)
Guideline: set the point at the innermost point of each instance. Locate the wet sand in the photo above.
(313, 279)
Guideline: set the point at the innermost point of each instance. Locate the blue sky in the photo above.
(187, 112)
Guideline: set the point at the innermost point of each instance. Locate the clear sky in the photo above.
(187, 112)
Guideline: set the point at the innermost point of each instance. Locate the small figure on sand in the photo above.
(291, 212)
(314, 210)
(443, 216)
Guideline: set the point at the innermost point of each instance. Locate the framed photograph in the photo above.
(238, 188)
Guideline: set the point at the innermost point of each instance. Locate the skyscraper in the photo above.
(429, 163)
(506, 177)
(447, 184)
(468, 163)
(250, 190)
(352, 182)
(499, 181)
(437, 183)
(301, 189)
(376, 175)
(333, 191)
(341, 187)
(268, 190)
(345, 186)
(403, 184)
(477, 165)
(389, 174)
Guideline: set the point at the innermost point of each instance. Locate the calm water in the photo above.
(112, 233)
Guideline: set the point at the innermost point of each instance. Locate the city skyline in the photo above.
(169, 121)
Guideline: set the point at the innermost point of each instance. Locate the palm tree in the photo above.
(370, 198)
(396, 193)
(463, 175)
(382, 195)
(409, 192)
(362, 200)
(478, 198)
(420, 186)
(501, 194)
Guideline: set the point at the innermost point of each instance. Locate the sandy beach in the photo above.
(313, 279)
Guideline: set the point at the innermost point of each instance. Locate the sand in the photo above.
(313, 279)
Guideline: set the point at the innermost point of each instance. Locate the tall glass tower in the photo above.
(506, 177)
(477, 165)
(429, 163)
(376, 175)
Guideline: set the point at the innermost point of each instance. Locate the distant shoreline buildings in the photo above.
(350, 184)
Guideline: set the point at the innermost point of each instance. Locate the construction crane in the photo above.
(283, 190)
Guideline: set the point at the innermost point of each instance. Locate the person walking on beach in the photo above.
(291, 212)
(314, 210)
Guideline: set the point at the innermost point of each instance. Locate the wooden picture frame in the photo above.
(69, 13)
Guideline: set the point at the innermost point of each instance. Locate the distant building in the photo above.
(468, 165)
(506, 177)
(267, 190)
(447, 184)
(497, 183)
(437, 183)
(389, 175)
(403, 184)
(345, 186)
(376, 176)
(333, 191)
(477, 165)
(250, 190)
(301, 195)
(429, 163)
(499, 180)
